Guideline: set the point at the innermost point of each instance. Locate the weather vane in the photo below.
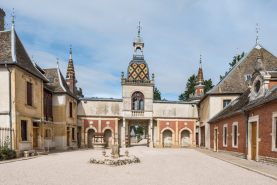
(257, 30)
(70, 49)
(139, 29)
(57, 59)
(13, 16)
(200, 61)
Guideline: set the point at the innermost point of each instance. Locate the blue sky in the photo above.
(175, 33)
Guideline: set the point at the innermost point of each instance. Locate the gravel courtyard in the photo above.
(158, 166)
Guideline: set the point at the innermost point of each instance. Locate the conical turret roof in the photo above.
(200, 78)
(70, 69)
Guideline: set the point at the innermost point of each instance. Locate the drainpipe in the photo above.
(246, 134)
(10, 113)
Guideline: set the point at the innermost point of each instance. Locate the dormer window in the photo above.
(257, 86)
(137, 101)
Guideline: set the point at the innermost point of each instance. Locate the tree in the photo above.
(233, 63)
(189, 89)
(157, 94)
(208, 85)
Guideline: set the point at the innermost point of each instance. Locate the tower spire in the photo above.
(70, 69)
(200, 79)
(200, 66)
(257, 30)
(13, 17)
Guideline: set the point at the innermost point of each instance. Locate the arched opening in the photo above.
(138, 51)
(185, 138)
(167, 138)
(137, 101)
(90, 137)
(108, 138)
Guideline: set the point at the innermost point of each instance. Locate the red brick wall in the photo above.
(86, 124)
(104, 124)
(271, 84)
(172, 124)
(265, 127)
(240, 118)
(190, 125)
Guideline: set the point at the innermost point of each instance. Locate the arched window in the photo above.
(137, 101)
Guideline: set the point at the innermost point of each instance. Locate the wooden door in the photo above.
(254, 141)
(197, 141)
(68, 135)
(35, 137)
(215, 140)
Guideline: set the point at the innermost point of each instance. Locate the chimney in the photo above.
(2, 20)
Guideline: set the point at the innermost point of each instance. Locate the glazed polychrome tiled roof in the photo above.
(138, 70)
(70, 70)
(200, 78)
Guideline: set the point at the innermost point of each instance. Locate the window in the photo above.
(257, 86)
(48, 133)
(235, 135)
(70, 109)
(48, 106)
(226, 102)
(29, 94)
(137, 101)
(51, 80)
(225, 135)
(24, 130)
(73, 133)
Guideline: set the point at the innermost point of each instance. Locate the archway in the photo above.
(167, 138)
(90, 137)
(185, 138)
(108, 138)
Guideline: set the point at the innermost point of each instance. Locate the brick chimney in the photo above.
(2, 20)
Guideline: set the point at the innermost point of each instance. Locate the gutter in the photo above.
(246, 133)
(10, 114)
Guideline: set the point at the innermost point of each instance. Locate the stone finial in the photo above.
(122, 74)
(259, 64)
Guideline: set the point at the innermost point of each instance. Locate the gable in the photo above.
(234, 81)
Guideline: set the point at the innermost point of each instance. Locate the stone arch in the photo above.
(139, 90)
(190, 135)
(86, 133)
(172, 131)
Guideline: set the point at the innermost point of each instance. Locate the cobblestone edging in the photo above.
(235, 154)
(268, 160)
(18, 159)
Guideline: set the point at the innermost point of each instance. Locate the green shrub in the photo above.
(5, 151)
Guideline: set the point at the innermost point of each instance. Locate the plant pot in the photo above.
(126, 154)
(104, 154)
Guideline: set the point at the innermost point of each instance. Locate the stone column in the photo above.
(116, 132)
(123, 134)
(99, 125)
(150, 133)
(177, 134)
(194, 135)
(158, 132)
(83, 134)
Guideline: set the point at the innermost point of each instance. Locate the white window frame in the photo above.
(233, 134)
(225, 126)
(274, 134)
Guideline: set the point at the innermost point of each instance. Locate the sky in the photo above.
(175, 33)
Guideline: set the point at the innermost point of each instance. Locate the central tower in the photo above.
(138, 68)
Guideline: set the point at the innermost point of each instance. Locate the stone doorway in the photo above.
(108, 138)
(90, 137)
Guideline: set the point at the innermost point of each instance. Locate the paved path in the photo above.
(158, 166)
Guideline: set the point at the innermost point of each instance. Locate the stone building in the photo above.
(247, 126)
(171, 123)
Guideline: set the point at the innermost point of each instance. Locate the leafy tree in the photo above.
(208, 85)
(233, 63)
(189, 89)
(157, 94)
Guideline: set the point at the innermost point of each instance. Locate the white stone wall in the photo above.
(100, 108)
(175, 110)
(59, 99)
(4, 90)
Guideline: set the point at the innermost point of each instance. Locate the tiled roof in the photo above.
(200, 78)
(234, 81)
(22, 58)
(70, 70)
(59, 84)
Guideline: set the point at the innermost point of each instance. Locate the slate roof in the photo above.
(234, 81)
(242, 104)
(22, 58)
(59, 84)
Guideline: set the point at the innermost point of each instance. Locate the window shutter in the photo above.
(24, 130)
(29, 94)
(70, 109)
